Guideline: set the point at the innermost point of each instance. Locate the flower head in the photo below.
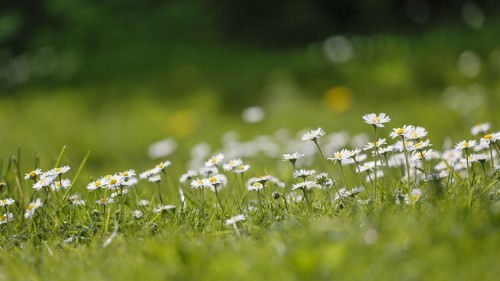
(313, 135)
(162, 208)
(480, 129)
(215, 160)
(303, 173)
(33, 174)
(5, 218)
(292, 157)
(376, 120)
(30, 210)
(235, 219)
(6, 202)
(464, 145)
(104, 201)
(400, 132)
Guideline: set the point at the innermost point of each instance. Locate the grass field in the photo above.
(424, 219)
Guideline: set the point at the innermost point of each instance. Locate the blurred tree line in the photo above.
(92, 23)
(229, 48)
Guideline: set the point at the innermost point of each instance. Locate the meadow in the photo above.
(121, 180)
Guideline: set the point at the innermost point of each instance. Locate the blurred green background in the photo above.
(116, 76)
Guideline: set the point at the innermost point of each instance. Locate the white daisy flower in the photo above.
(367, 166)
(128, 174)
(235, 219)
(419, 145)
(148, 173)
(241, 168)
(465, 145)
(163, 165)
(119, 192)
(415, 133)
(138, 214)
(207, 171)
(6, 202)
(143, 202)
(305, 185)
(33, 174)
(104, 201)
(376, 120)
(400, 132)
(324, 180)
(95, 185)
(481, 158)
(58, 171)
(5, 218)
(480, 129)
(255, 186)
(162, 208)
(292, 157)
(45, 180)
(155, 178)
(375, 144)
(30, 210)
(189, 175)
(339, 156)
(313, 135)
(57, 185)
(414, 196)
(303, 173)
(422, 155)
(75, 200)
(214, 160)
(229, 166)
(199, 183)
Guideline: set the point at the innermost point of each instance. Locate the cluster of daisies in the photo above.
(376, 169)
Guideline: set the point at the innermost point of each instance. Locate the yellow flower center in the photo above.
(160, 166)
(241, 168)
(113, 181)
(31, 206)
(213, 179)
(57, 170)
(375, 119)
(125, 174)
(488, 137)
(400, 131)
(32, 174)
(415, 197)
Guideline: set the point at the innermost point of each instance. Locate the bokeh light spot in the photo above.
(338, 99)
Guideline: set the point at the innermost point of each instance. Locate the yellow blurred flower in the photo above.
(338, 99)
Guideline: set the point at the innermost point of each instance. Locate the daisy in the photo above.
(376, 121)
(481, 158)
(367, 166)
(339, 156)
(465, 145)
(75, 200)
(30, 210)
(155, 178)
(372, 145)
(104, 201)
(305, 185)
(414, 197)
(422, 155)
(313, 135)
(189, 175)
(235, 219)
(303, 173)
(119, 192)
(400, 132)
(229, 166)
(324, 180)
(148, 173)
(255, 186)
(33, 174)
(44, 181)
(415, 133)
(143, 202)
(419, 145)
(128, 174)
(214, 160)
(5, 218)
(215, 179)
(199, 183)
(292, 157)
(138, 214)
(161, 167)
(162, 208)
(344, 193)
(241, 169)
(57, 185)
(6, 202)
(115, 181)
(480, 129)
(207, 171)
(385, 150)
(95, 185)
(58, 171)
